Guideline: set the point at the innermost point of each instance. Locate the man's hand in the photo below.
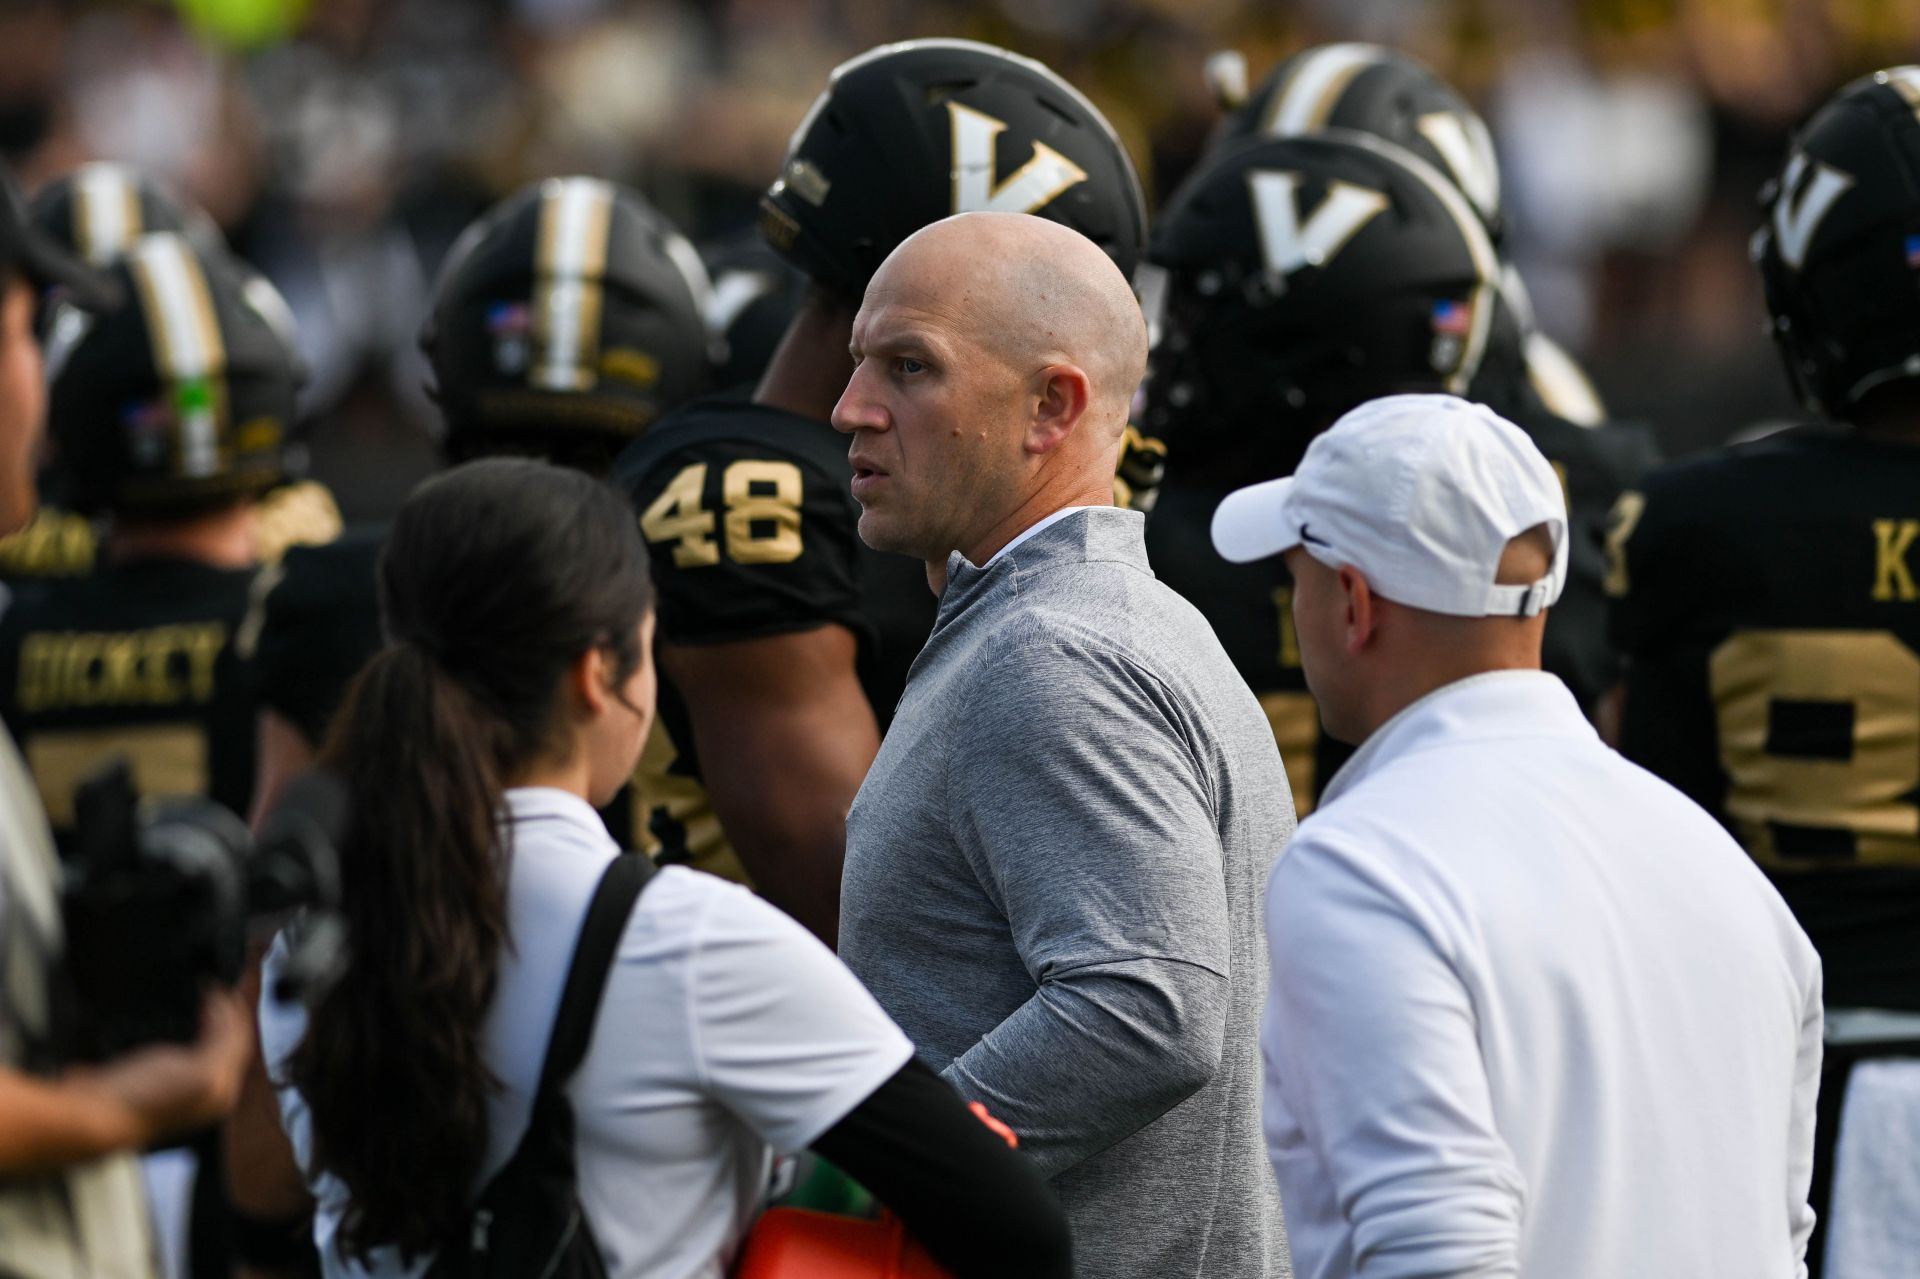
(169, 1089)
(130, 1102)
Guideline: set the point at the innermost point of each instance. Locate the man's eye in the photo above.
(908, 365)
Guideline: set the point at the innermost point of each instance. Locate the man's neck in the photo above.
(226, 538)
(1030, 513)
(1395, 692)
(810, 367)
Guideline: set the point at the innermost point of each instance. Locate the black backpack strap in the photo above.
(593, 956)
(527, 1219)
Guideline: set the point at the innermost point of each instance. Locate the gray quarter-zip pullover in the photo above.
(1054, 881)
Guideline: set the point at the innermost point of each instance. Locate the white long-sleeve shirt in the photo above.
(1532, 1012)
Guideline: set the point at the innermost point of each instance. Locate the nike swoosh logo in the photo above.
(1308, 537)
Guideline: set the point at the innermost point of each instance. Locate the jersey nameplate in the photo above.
(163, 666)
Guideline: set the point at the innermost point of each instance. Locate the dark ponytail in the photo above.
(497, 576)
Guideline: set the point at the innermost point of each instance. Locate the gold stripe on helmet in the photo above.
(570, 262)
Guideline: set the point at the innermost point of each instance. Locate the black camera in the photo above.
(162, 899)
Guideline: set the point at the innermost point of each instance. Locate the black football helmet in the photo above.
(99, 210)
(1839, 247)
(565, 321)
(1305, 276)
(907, 134)
(1376, 90)
(182, 398)
(756, 293)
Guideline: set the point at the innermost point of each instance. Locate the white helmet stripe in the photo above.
(106, 214)
(575, 216)
(1314, 87)
(187, 347)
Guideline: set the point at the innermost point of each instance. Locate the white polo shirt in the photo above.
(1532, 1012)
(726, 1032)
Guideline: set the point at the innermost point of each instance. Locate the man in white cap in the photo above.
(1531, 1012)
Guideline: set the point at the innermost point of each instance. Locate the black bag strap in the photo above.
(593, 955)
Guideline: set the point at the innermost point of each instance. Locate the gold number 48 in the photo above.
(762, 501)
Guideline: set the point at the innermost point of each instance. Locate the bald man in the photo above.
(1054, 867)
(1533, 1012)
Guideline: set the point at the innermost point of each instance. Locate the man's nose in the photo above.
(858, 409)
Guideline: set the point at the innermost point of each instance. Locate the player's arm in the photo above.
(785, 736)
(281, 753)
(753, 550)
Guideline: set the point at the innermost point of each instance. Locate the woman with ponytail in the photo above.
(513, 695)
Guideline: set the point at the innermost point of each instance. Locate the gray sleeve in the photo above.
(1087, 814)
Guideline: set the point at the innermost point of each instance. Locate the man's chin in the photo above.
(882, 534)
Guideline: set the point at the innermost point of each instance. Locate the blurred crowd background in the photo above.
(343, 143)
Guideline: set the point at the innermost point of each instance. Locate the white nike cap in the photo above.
(1421, 494)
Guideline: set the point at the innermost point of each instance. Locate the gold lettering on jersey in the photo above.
(762, 495)
(162, 666)
(1892, 578)
(1045, 174)
(1295, 721)
(1289, 653)
(762, 500)
(1621, 521)
(1869, 793)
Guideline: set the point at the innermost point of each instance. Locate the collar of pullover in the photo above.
(1097, 533)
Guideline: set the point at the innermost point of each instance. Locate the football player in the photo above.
(564, 322)
(1304, 276)
(168, 418)
(788, 639)
(1769, 593)
(1377, 90)
(98, 212)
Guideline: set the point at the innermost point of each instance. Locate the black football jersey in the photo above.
(1250, 605)
(1768, 601)
(140, 659)
(320, 625)
(753, 531)
(321, 622)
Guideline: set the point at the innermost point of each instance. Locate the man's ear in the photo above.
(1062, 393)
(1362, 618)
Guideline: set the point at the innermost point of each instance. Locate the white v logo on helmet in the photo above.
(1798, 212)
(1045, 174)
(1287, 244)
(1467, 147)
